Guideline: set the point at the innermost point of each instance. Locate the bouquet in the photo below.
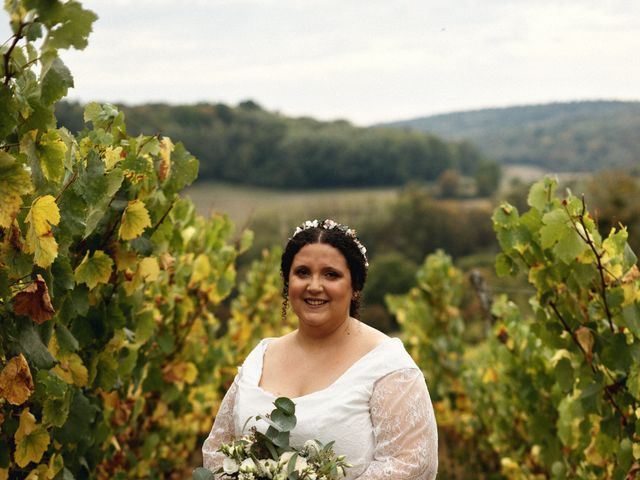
(269, 456)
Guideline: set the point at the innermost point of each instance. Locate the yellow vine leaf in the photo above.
(15, 182)
(180, 373)
(166, 147)
(111, 157)
(4, 473)
(31, 440)
(135, 219)
(43, 214)
(16, 383)
(125, 260)
(201, 269)
(72, 370)
(585, 339)
(148, 271)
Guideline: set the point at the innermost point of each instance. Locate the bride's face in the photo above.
(320, 289)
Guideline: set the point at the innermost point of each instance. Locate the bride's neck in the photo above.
(311, 339)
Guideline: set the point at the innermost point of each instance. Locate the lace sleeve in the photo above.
(223, 430)
(404, 427)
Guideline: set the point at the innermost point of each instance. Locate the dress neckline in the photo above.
(265, 343)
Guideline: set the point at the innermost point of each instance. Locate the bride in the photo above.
(350, 382)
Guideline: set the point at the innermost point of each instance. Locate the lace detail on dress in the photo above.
(223, 430)
(404, 427)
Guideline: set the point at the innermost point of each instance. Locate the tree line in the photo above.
(246, 144)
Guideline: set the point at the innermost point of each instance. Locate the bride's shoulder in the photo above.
(371, 337)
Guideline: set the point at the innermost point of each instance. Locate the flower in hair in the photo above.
(330, 224)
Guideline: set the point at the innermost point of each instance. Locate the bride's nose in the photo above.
(314, 284)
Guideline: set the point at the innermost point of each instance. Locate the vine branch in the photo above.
(586, 237)
(607, 393)
(7, 55)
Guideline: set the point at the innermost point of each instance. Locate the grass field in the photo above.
(244, 202)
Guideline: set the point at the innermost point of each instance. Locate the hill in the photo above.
(248, 145)
(576, 136)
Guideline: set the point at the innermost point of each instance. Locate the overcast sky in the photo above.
(366, 61)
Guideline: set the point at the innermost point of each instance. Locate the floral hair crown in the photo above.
(329, 224)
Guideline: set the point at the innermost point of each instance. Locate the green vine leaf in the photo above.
(94, 269)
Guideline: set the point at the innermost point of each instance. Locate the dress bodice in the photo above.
(339, 412)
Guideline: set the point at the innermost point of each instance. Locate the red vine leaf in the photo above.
(34, 301)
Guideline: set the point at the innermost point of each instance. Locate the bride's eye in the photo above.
(333, 274)
(301, 271)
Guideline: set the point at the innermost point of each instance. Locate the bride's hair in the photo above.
(340, 238)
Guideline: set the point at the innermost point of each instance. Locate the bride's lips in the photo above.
(315, 302)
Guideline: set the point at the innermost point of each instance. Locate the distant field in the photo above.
(243, 202)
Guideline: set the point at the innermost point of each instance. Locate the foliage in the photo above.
(575, 136)
(390, 273)
(581, 349)
(249, 145)
(416, 224)
(553, 394)
(256, 312)
(432, 329)
(108, 279)
(615, 199)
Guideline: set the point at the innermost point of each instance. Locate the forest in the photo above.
(575, 136)
(248, 145)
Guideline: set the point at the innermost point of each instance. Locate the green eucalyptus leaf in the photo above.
(284, 422)
(202, 474)
(279, 439)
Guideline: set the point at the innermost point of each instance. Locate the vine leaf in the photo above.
(94, 270)
(52, 155)
(135, 219)
(31, 439)
(34, 301)
(40, 240)
(72, 370)
(15, 181)
(166, 147)
(16, 383)
(56, 82)
(585, 339)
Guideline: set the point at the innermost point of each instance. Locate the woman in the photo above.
(350, 382)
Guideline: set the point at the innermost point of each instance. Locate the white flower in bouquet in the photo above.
(230, 466)
(300, 465)
(248, 466)
(312, 448)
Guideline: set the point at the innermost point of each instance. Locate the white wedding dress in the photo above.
(378, 412)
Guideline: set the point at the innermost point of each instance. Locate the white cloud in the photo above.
(366, 61)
